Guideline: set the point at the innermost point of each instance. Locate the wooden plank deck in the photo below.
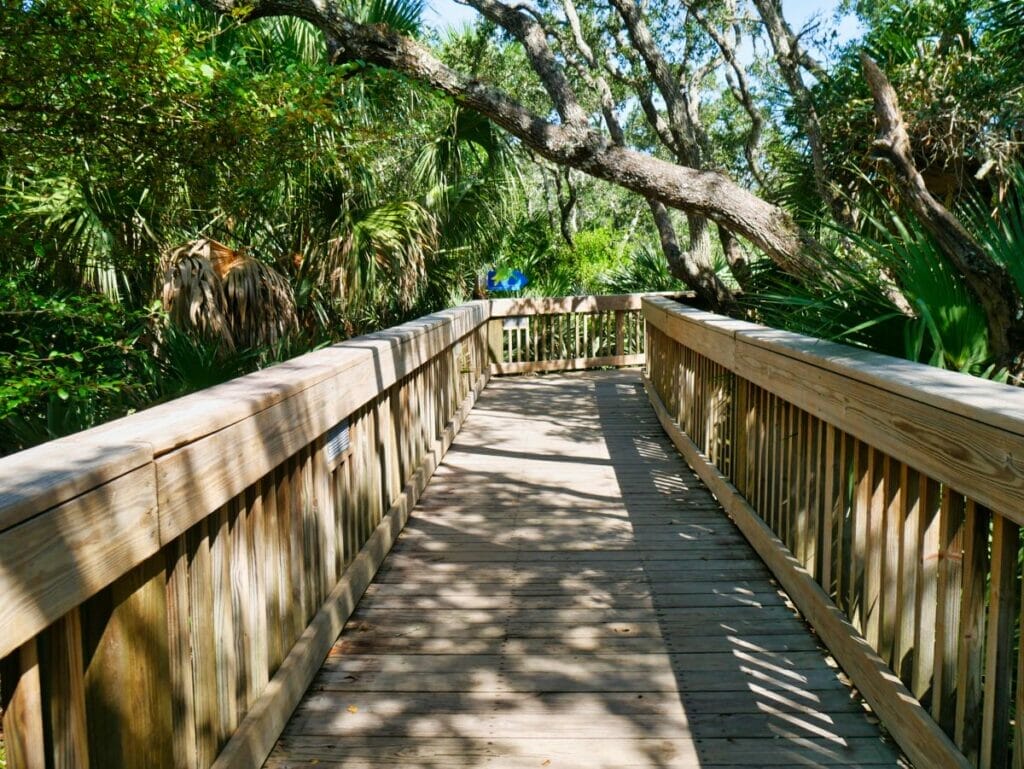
(568, 594)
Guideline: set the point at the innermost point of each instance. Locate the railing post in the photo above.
(494, 340)
(620, 332)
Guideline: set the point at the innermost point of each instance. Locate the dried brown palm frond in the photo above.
(261, 306)
(227, 295)
(193, 292)
(223, 258)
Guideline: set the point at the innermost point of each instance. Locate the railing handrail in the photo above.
(160, 444)
(132, 554)
(36, 479)
(937, 419)
(520, 306)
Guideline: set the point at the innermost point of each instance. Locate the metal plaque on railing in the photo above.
(337, 442)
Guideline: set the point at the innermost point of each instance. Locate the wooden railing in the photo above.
(564, 334)
(170, 582)
(886, 496)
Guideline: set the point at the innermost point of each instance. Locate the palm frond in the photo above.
(402, 16)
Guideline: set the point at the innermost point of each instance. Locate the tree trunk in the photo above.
(737, 258)
(692, 267)
(989, 280)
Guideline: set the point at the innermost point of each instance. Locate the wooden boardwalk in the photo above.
(568, 594)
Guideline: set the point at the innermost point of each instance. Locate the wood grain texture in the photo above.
(127, 672)
(566, 364)
(255, 736)
(22, 706)
(504, 308)
(1003, 609)
(209, 468)
(53, 562)
(39, 478)
(984, 401)
(958, 429)
(63, 686)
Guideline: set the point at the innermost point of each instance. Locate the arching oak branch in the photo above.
(708, 193)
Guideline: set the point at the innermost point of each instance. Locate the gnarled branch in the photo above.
(988, 279)
(704, 193)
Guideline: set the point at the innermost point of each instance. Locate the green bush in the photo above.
(594, 254)
(67, 362)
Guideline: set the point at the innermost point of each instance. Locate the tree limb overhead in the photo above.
(988, 279)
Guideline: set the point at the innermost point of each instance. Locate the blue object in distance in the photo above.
(506, 280)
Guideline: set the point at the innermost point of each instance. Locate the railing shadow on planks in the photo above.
(172, 581)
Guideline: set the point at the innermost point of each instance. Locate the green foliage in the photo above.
(956, 69)
(647, 270)
(129, 129)
(853, 302)
(67, 362)
(593, 254)
(360, 199)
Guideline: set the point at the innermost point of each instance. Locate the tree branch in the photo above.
(790, 57)
(705, 193)
(988, 279)
(529, 32)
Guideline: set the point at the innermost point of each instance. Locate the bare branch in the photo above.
(680, 123)
(528, 31)
(736, 78)
(791, 58)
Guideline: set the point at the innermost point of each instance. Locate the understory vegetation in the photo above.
(186, 196)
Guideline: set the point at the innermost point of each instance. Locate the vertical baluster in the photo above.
(947, 620)
(892, 493)
(771, 505)
(201, 624)
(125, 638)
(740, 433)
(620, 332)
(875, 547)
(22, 706)
(830, 510)
(927, 590)
(259, 569)
(63, 687)
(277, 570)
(763, 427)
(298, 544)
(290, 510)
(813, 483)
(223, 622)
(179, 619)
(909, 557)
(970, 651)
(1003, 608)
(857, 554)
(787, 495)
(242, 602)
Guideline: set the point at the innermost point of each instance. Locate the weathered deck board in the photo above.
(567, 594)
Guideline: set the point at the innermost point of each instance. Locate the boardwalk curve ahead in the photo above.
(568, 594)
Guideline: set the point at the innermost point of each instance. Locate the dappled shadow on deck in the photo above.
(567, 594)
